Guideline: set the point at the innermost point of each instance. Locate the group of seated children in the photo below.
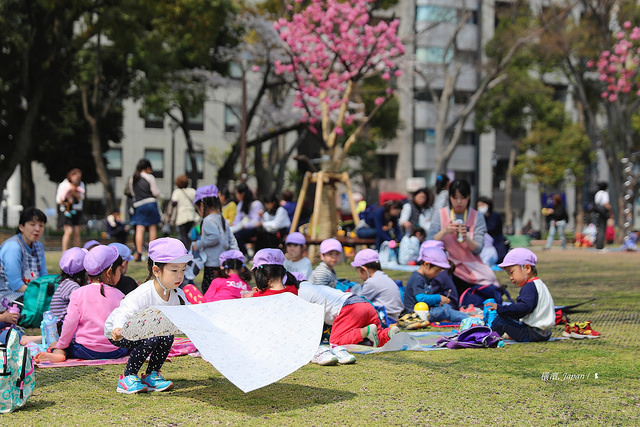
(92, 310)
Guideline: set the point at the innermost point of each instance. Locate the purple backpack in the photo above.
(474, 337)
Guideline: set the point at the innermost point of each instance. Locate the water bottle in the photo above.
(460, 236)
(49, 329)
(488, 313)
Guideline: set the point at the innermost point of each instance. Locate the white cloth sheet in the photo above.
(253, 342)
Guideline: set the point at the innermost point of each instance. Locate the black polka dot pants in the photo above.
(157, 347)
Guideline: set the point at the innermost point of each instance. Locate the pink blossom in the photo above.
(255, 68)
(613, 97)
(379, 100)
(590, 63)
(338, 130)
(627, 24)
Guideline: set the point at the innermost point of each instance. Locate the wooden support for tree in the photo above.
(320, 179)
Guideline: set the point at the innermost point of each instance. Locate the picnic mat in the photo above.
(181, 346)
(416, 341)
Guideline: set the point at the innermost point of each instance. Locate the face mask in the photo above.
(483, 209)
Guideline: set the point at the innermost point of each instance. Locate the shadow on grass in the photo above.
(36, 405)
(274, 398)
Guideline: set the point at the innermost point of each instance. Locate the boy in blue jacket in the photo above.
(419, 286)
(532, 317)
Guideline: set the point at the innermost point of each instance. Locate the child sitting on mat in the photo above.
(433, 261)
(533, 316)
(270, 275)
(378, 288)
(324, 274)
(167, 262)
(294, 246)
(72, 276)
(82, 334)
(231, 280)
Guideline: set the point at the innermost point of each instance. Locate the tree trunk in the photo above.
(579, 210)
(508, 190)
(101, 169)
(26, 184)
(327, 212)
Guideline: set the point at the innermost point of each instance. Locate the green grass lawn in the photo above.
(449, 387)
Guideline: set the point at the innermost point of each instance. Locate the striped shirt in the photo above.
(60, 299)
(324, 275)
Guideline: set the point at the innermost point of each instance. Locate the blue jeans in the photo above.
(78, 351)
(559, 225)
(519, 331)
(446, 312)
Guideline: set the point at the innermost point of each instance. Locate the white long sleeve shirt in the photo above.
(140, 298)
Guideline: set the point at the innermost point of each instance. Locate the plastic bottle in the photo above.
(49, 329)
(489, 313)
(460, 236)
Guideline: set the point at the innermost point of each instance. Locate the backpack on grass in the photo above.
(37, 299)
(474, 337)
(17, 379)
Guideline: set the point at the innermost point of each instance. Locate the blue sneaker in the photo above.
(130, 384)
(155, 382)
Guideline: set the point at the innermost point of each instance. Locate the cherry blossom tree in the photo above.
(332, 46)
(619, 70)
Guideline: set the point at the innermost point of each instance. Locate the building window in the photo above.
(113, 157)
(425, 136)
(387, 163)
(231, 119)
(196, 121)
(199, 155)
(433, 55)
(436, 14)
(156, 158)
(153, 121)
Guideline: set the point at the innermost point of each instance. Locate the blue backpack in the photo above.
(17, 379)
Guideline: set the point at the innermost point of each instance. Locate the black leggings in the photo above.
(158, 347)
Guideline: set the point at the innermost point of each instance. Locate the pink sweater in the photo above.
(87, 312)
(228, 288)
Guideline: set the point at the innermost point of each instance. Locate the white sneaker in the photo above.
(344, 357)
(324, 357)
(394, 330)
(372, 334)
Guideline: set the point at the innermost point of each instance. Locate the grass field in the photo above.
(449, 387)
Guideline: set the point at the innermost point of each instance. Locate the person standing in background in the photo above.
(558, 218)
(186, 215)
(143, 188)
(70, 197)
(603, 212)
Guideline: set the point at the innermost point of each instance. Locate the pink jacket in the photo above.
(87, 312)
(228, 288)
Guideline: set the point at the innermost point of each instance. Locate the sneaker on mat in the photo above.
(568, 328)
(156, 382)
(394, 330)
(130, 384)
(583, 330)
(344, 357)
(372, 334)
(324, 357)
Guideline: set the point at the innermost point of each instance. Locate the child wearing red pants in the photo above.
(353, 318)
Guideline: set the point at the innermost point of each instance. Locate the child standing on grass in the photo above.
(531, 318)
(167, 262)
(72, 276)
(270, 275)
(433, 262)
(82, 334)
(294, 246)
(216, 234)
(378, 288)
(232, 277)
(324, 274)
